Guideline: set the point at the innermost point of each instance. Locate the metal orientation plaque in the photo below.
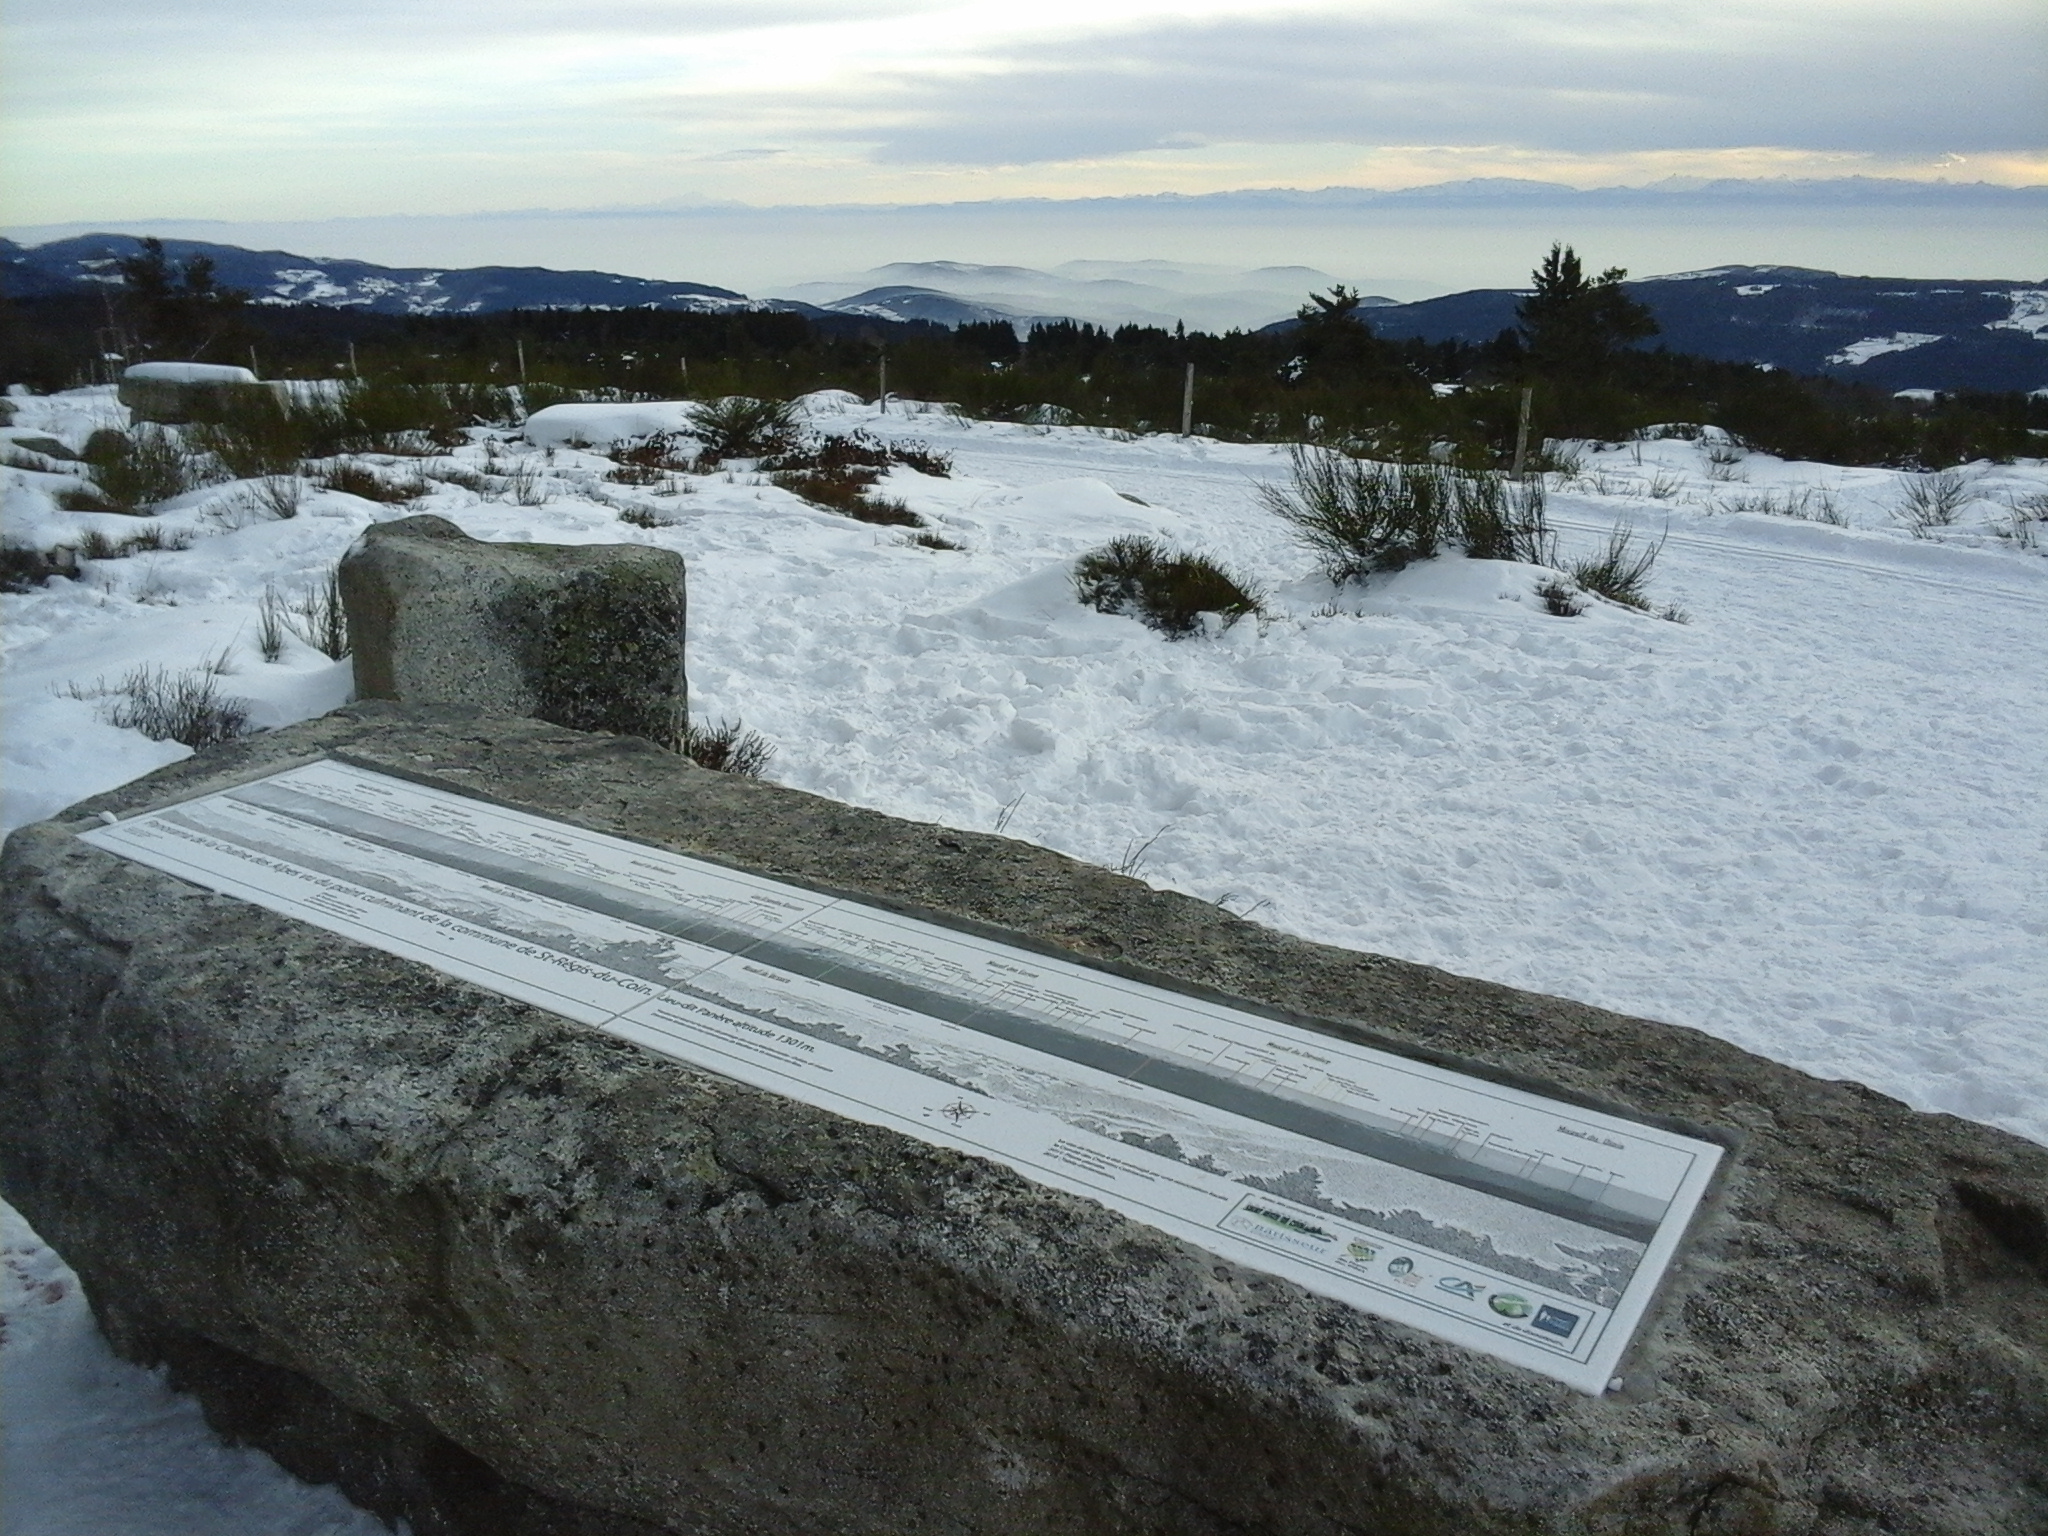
(1533, 1230)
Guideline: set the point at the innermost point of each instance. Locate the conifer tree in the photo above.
(180, 312)
(1573, 325)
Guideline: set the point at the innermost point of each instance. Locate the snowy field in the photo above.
(1810, 821)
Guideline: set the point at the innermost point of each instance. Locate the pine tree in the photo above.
(1333, 340)
(1337, 307)
(1572, 324)
(179, 312)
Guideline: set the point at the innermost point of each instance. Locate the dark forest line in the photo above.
(1328, 379)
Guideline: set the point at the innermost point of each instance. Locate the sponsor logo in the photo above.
(1400, 1267)
(1459, 1287)
(1288, 1222)
(1365, 1253)
(1555, 1320)
(1508, 1306)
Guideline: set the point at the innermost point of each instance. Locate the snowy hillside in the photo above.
(1808, 821)
(1891, 332)
(88, 263)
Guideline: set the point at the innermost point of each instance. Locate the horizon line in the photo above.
(1502, 188)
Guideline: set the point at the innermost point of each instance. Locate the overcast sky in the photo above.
(295, 109)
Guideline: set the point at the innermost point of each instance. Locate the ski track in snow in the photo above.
(1809, 822)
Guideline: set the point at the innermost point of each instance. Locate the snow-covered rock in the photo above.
(586, 635)
(172, 394)
(189, 373)
(599, 426)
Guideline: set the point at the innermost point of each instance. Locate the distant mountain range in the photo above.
(1894, 333)
(946, 293)
(278, 277)
(1163, 293)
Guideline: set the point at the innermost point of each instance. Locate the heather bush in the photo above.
(1169, 591)
(358, 479)
(136, 471)
(738, 427)
(727, 747)
(185, 706)
(1360, 517)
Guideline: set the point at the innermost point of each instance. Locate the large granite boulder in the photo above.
(174, 394)
(501, 1273)
(584, 635)
(177, 394)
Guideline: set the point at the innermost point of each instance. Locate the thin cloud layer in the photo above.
(1458, 76)
(261, 108)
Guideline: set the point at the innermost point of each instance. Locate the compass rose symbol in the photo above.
(959, 1111)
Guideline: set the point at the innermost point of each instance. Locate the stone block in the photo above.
(176, 394)
(584, 635)
(496, 1272)
(42, 443)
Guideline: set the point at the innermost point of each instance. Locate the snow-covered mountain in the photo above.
(898, 301)
(951, 293)
(1896, 333)
(1202, 296)
(279, 277)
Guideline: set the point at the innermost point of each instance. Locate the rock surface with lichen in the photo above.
(584, 635)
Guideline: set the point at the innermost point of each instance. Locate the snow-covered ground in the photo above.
(94, 1446)
(1810, 820)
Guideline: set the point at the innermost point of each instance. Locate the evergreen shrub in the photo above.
(1169, 591)
(1360, 517)
(738, 427)
(134, 472)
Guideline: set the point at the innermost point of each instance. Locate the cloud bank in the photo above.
(291, 108)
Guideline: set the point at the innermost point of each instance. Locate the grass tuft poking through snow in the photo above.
(320, 619)
(849, 492)
(840, 473)
(95, 544)
(135, 471)
(1931, 501)
(1620, 570)
(358, 479)
(185, 706)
